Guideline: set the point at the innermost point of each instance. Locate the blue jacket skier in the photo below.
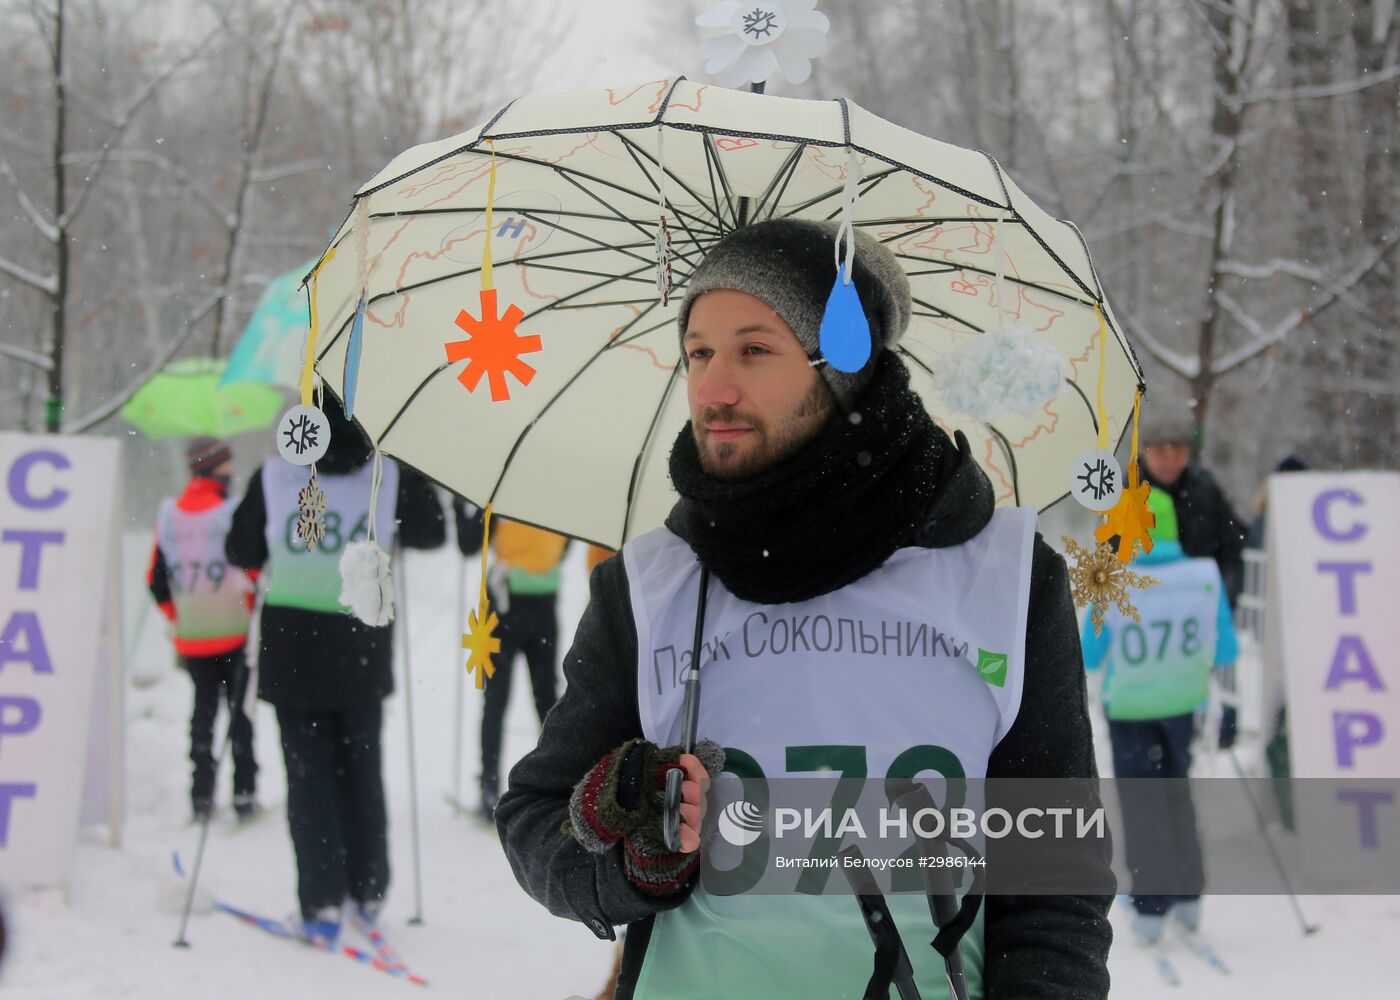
(1157, 675)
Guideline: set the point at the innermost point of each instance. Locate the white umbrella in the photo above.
(570, 426)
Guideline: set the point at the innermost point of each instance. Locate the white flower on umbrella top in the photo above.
(747, 42)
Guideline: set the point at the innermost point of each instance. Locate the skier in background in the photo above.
(326, 672)
(209, 606)
(524, 585)
(1157, 675)
(1208, 524)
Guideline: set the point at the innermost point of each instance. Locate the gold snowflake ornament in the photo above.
(480, 642)
(311, 513)
(1098, 579)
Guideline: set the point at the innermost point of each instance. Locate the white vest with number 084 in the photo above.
(310, 580)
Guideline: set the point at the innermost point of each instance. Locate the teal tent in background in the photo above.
(271, 347)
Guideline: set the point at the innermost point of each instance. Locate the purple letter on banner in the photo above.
(1349, 737)
(29, 715)
(19, 480)
(1346, 581)
(31, 548)
(1324, 526)
(1351, 647)
(1366, 803)
(9, 793)
(35, 652)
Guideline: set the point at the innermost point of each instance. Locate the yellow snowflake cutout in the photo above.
(1098, 579)
(1129, 519)
(480, 642)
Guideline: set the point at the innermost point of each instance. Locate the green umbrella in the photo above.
(186, 399)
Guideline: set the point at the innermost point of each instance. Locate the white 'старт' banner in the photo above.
(60, 609)
(1334, 610)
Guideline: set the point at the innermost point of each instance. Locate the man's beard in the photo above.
(774, 445)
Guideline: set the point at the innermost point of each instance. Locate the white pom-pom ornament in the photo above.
(366, 585)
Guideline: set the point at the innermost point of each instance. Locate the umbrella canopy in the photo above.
(270, 348)
(566, 420)
(187, 399)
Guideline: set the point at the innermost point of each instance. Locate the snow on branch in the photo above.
(100, 413)
(177, 173)
(1180, 364)
(1323, 90)
(46, 283)
(31, 211)
(1266, 338)
(1293, 268)
(288, 170)
(27, 356)
(124, 119)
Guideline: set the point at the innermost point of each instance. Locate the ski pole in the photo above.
(235, 706)
(690, 712)
(892, 965)
(461, 693)
(402, 580)
(1308, 929)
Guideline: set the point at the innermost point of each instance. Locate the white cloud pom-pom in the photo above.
(1006, 369)
(366, 586)
(750, 42)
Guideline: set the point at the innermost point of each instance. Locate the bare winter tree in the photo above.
(162, 158)
(54, 278)
(1232, 163)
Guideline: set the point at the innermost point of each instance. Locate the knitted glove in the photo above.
(622, 798)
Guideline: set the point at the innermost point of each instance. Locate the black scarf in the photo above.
(827, 516)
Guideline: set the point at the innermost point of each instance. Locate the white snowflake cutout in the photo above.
(751, 41)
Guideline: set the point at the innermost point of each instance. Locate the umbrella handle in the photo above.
(690, 712)
(671, 819)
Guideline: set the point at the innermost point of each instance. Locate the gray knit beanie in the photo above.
(1165, 420)
(790, 264)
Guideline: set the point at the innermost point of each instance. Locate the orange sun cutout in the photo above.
(493, 348)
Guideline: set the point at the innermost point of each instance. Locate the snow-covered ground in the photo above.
(481, 936)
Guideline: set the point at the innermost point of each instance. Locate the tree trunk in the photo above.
(1377, 413)
(53, 406)
(1227, 123)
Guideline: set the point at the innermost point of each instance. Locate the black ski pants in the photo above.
(1159, 823)
(219, 678)
(335, 804)
(531, 627)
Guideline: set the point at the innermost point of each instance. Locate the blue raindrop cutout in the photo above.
(845, 332)
(352, 358)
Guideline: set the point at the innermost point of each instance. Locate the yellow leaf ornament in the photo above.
(1129, 518)
(480, 638)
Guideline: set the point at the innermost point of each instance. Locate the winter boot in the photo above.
(246, 807)
(1148, 928)
(364, 917)
(322, 930)
(200, 811)
(1188, 914)
(490, 795)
